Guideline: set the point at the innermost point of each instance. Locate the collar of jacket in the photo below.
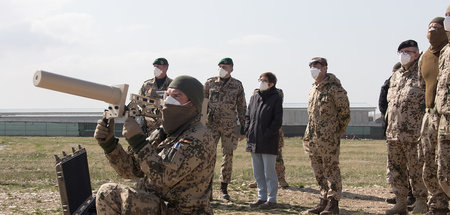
(268, 92)
(218, 79)
(329, 78)
(413, 67)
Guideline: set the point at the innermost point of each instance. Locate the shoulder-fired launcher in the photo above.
(115, 96)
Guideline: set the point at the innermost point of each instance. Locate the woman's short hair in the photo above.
(270, 77)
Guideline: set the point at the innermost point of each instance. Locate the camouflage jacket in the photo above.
(149, 85)
(328, 111)
(226, 100)
(179, 167)
(406, 105)
(443, 86)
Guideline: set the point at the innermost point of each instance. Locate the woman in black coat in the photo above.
(262, 123)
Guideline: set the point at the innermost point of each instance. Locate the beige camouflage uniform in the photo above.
(328, 115)
(148, 89)
(176, 170)
(443, 108)
(428, 136)
(406, 107)
(226, 106)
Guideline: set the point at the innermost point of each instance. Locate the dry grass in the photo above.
(28, 179)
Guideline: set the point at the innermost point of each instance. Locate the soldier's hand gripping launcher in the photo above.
(115, 96)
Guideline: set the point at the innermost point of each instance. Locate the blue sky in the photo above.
(115, 42)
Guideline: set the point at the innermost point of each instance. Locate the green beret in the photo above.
(438, 20)
(160, 61)
(226, 61)
(191, 87)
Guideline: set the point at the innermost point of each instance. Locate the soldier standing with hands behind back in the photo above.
(406, 107)
(328, 116)
(226, 106)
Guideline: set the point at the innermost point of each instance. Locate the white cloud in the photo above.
(255, 39)
(67, 27)
(22, 11)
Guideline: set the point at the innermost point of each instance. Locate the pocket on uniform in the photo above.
(213, 95)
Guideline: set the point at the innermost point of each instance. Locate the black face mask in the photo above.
(175, 116)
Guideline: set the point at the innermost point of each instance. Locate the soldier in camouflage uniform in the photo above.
(405, 111)
(428, 67)
(328, 117)
(279, 165)
(150, 87)
(226, 106)
(443, 109)
(175, 163)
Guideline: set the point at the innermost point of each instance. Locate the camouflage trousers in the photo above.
(226, 133)
(119, 199)
(403, 161)
(444, 153)
(428, 135)
(389, 178)
(325, 164)
(279, 165)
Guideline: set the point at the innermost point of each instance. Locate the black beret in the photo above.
(160, 61)
(406, 44)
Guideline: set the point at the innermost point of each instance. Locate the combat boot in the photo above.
(420, 206)
(283, 184)
(320, 207)
(399, 207)
(224, 189)
(332, 207)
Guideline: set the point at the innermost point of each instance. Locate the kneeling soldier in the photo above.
(175, 164)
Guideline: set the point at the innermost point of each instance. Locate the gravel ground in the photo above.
(355, 200)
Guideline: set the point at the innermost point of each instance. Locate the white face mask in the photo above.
(157, 72)
(222, 72)
(315, 72)
(171, 101)
(447, 23)
(263, 86)
(404, 58)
